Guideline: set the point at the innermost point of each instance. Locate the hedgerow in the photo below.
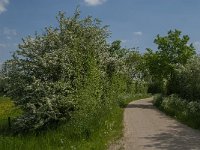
(186, 81)
(69, 72)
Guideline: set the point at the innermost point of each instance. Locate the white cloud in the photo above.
(94, 2)
(9, 32)
(138, 33)
(197, 46)
(2, 45)
(124, 41)
(3, 4)
(8, 45)
(8, 38)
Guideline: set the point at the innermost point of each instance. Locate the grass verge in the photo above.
(187, 112)
(103, 131)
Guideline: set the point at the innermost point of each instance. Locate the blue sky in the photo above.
(135, 22)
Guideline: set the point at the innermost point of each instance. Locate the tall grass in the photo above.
(97, 135)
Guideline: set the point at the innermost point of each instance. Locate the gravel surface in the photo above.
(146, 128)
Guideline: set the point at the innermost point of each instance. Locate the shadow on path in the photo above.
(142, 106)
(174, 140)
(153, 130)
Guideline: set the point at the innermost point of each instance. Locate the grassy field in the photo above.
(7, 109)
(103, 131)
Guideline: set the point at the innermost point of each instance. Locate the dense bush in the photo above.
(2, 85)
(186, 81)
(69, 73)
(155, 87)
(158, 99)
(187, 112)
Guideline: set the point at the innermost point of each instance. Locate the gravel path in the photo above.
(146, 128)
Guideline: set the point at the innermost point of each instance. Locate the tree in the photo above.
(47, 71)
(116, 49)
(173, 51)
(68, 72)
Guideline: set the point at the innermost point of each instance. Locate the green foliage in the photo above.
(2, 84)
(68, 72)
(134, 64)
(156, 86)
(174, 71)
(50, 71)
(116, 49)
(102, 129)
(186, 82)
(173, 52)
(67, 136)
(174, 49)
(157, 100)
(187, 112)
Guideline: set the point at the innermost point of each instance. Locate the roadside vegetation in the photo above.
(175, 74)
(67, 87)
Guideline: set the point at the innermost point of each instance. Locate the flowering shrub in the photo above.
(67, 72)
(187, 112)
(186, 81)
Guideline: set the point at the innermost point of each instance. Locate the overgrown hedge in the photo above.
(186, 81)
(68, 73)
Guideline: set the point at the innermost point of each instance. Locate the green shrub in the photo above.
(186, 81)
(59, 72)
(2, 85)
(157, 100)
(155, 87)
(173, 103)
(187, 112)
(193, 112)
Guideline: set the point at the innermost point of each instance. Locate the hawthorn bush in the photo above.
(186, 81)
(68, 72)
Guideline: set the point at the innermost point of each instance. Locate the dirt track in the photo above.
(146, 128)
